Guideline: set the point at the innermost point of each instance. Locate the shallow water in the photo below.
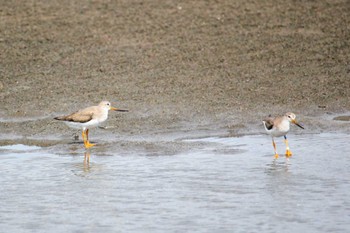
(231, 185)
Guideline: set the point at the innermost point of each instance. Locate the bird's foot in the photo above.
(276, 156)
(88, 145)
(288, 153)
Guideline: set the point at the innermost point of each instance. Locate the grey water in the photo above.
(231, 185)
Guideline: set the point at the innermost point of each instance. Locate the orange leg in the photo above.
(85, 134)
(288, 152)
(275, 149)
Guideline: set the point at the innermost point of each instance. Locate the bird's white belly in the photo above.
(87, 125)
(281, 129)
(278, 133)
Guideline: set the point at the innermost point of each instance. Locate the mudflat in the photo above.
(176, 65)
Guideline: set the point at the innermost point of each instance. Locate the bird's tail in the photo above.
(60, 118)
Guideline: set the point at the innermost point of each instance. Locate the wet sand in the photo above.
(186, 67)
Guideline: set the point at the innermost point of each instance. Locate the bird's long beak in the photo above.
(119, 110)
(296, 123)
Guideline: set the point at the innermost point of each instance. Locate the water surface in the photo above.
(231, 185)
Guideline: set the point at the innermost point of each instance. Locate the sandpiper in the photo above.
(88, 118)
(279, 126)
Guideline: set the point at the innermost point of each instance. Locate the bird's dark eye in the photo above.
(288, 116)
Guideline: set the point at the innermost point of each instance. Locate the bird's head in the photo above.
(108, 106)
(292, 118)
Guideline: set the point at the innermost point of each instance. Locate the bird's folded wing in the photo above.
(268, 123)
(81, 117)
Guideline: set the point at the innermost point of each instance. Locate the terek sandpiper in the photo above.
(279, 126)
(88, 118)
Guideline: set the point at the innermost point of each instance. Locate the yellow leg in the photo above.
(83, 136)
(275, 149)
(288, 152)
(87, 144)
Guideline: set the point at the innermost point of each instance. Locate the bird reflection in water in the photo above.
(276, 167)
(87, 161)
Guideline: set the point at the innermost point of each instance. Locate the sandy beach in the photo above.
(178, 66)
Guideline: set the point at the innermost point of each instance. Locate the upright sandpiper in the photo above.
(279, 126)
(87, 118)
